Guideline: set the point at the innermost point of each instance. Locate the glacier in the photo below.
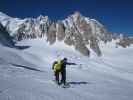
(27, 74)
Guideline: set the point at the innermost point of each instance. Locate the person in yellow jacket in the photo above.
(57, 69)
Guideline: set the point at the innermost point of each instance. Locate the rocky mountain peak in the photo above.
(76, 30)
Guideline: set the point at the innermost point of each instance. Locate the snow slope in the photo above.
(27, 75)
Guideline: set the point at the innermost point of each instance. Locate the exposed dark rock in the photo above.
(5, 38)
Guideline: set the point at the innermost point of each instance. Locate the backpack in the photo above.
(57, 66)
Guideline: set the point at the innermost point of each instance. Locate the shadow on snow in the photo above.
(26, 67)
(22, 47)
(79, 83)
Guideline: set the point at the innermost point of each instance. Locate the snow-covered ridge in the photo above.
(76, 30)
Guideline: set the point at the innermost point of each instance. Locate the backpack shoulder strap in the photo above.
(55, 62)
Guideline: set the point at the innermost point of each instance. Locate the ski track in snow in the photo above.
(27, 74)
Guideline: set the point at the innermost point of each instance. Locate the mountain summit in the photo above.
(76, 30)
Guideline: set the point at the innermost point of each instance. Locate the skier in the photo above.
(63, 70)
(57, 69)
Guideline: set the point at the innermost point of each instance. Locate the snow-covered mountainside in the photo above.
(81, 32)
(27, 74)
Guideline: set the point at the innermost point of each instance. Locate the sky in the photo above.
(116, 15)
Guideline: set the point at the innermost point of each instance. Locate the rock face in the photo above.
(5, 38)
(76, 30)
(125, 41)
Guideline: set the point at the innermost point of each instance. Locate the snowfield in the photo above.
(27, 75)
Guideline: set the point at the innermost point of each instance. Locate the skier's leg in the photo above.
(64, 77)
(61, 77)
(57, 77)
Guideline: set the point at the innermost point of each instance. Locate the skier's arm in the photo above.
(69, 63)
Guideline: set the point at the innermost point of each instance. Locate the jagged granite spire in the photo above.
(77, 30)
